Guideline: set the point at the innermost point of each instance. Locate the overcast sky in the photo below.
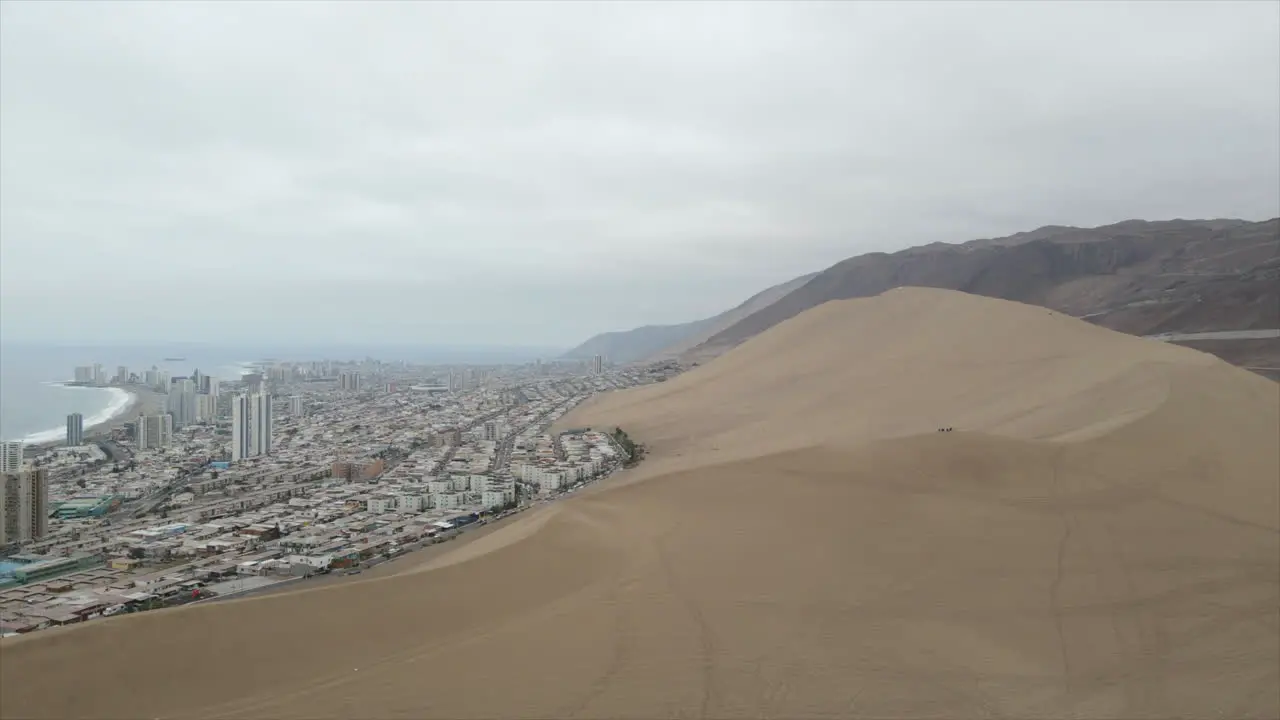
(530, 174)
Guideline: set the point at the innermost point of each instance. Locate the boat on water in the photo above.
(175, 359)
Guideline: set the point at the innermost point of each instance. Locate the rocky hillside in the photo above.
(624, 346)
(1135, 276)
(669, 341)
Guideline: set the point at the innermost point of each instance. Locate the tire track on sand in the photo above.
(706, 637)
(1055, 603)
(623, 625)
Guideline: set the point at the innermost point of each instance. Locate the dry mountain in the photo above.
(1098, 538)
(668, 341)
(1136, 276)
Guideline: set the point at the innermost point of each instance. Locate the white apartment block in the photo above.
(410, 503)
(251, 426)
(546, 480)
(496, 497)
(262, 424)
(241, 430)
(447, 501)
(10, 456)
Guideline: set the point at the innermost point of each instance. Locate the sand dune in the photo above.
(1099, 537)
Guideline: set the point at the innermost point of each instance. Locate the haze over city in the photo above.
(535, 173)
(637, 360)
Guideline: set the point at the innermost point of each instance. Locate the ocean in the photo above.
(34, 404)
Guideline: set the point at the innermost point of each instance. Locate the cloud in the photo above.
(532, 173)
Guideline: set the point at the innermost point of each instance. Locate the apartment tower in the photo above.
(153, 431)
(241, 430)
(251, 423)
(262, 424)
(24, 506)
(75, 430)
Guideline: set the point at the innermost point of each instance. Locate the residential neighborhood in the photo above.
(367, 461)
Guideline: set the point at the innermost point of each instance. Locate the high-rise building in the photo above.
(162, 380)
(122, 374)
(206, 408)
(151, 377)
(153, 431)
(207, 384)
(182, 402)
(99, 375)
(262, 422)
(10, 456)
(297, 406)
(349, 381)
(75, 430)
(597, 365)
(252, 383)
(251, 426)
(241, 430)
(84, 374)
(24, 506)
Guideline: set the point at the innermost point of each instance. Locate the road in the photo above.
(1217, 335)
(502, 457)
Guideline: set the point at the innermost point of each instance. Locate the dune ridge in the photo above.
(1098, 538)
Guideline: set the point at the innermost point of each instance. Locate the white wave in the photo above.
(120, 400)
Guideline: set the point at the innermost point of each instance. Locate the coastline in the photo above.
(136, 401)
(142, 401)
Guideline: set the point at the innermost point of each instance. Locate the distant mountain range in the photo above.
(670, 341)
(1139, 277)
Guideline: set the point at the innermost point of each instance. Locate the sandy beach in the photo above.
(1097, 537)
(142, 401)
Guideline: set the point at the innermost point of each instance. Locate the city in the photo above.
(204, 489)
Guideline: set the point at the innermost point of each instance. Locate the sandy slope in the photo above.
(1098, 538)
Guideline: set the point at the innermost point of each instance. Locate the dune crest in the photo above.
(1097, 538)
(905, 362)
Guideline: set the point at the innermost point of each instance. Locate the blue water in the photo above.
(31, 401)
